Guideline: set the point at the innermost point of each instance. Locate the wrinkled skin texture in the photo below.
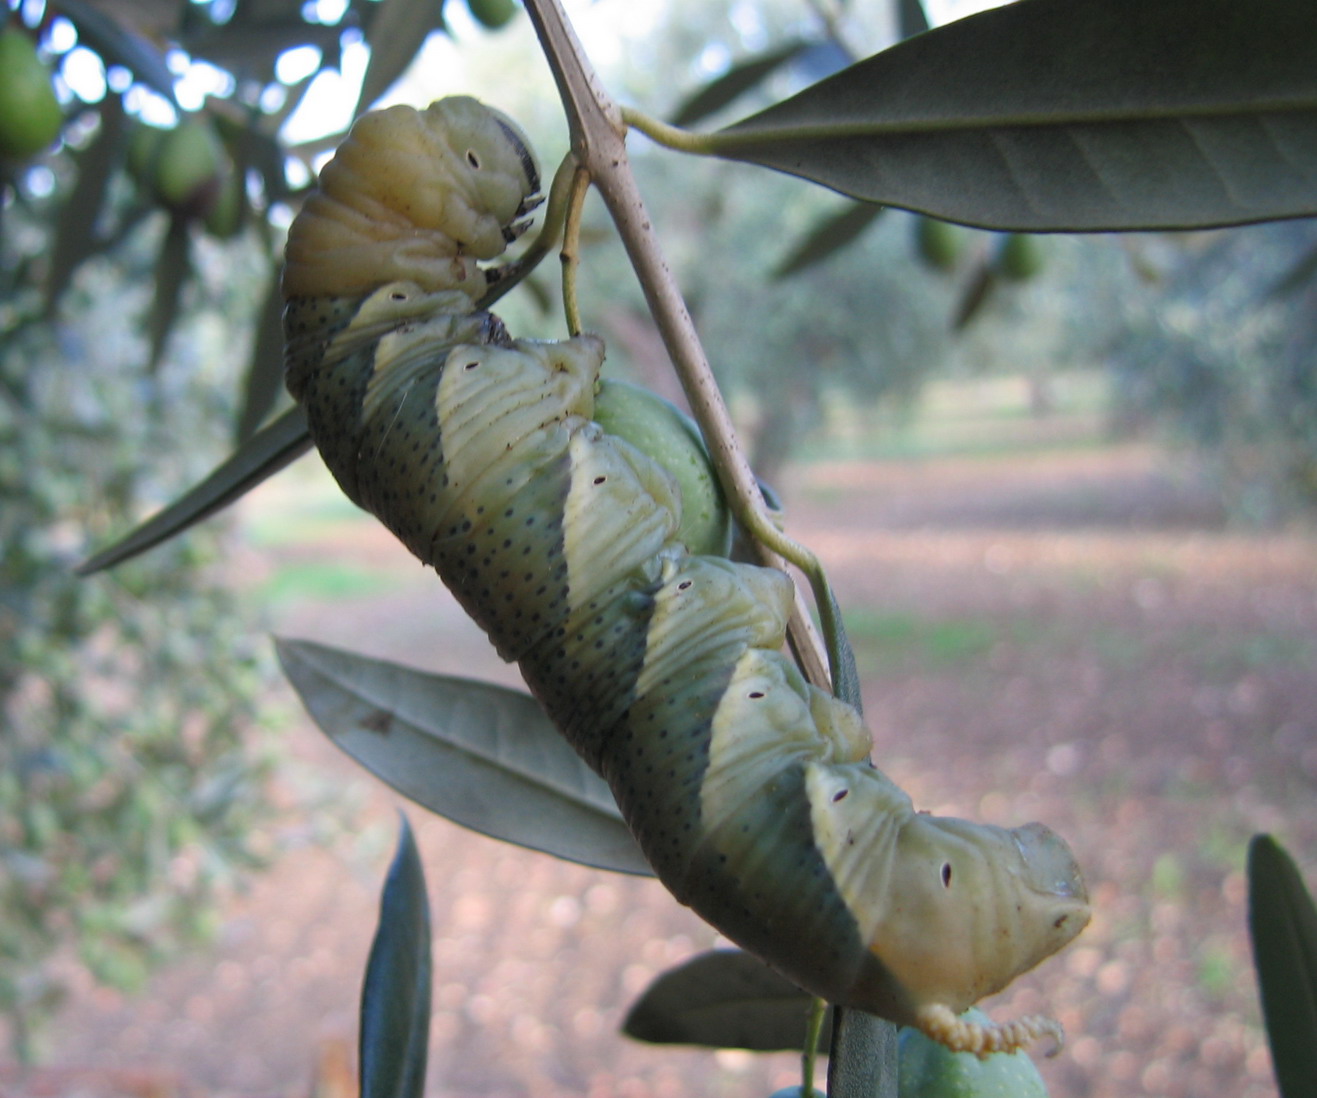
(749, 790)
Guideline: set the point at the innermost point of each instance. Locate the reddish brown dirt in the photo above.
(1074, 638)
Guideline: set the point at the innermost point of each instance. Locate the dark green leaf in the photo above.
(846, 676)
(735, 82)
(1069, 115)
(395, 996)
(910, 18)
(265, 373)
(863, 1056)
(118, 45)
(1283, 925)
(480, 755)
(828, 235)
(76, 236)
(722, 999)
(257, 459)
(396, 32)
(173, 268)
(976, 293)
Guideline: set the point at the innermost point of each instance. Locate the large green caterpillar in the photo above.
(750, 791)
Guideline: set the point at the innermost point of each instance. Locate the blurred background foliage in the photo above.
(142, 222)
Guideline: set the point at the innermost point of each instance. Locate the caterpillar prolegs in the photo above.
(750, 791)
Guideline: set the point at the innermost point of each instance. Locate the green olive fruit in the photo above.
(30, 116)
(1019, 256)
(227, 216)
(664, 433)
(931, 1070)
(493, 13)
(189, 168)
(939, 242)
(144, 144)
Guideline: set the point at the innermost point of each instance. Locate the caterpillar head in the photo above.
(951, 910)
(985, 904)
(416, 196)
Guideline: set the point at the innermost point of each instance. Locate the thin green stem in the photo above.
(818, 1011)
(570, 255)
(669, 136)
(761, 527)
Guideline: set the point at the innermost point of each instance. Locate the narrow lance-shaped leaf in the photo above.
(1282, 922)
(396, 32)
(721, 999)
(910, 18)
(978, 288)
(76, 238)
(172, 269)
(828, 236)
(257, 459)
(478, 754)
(742, 77)
(396, 993)
(265, 372)
(118, 44)
(1073, 115)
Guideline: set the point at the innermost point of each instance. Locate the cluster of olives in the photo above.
(940, 244)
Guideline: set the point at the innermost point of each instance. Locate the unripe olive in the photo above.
(30, 116)
(189, 167)
(664, 433)
(143, 148)
(931, 1070)
(226, 217)
(492, 13)
(1019, 256)
(939, 242)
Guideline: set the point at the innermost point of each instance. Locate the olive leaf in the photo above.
(120, 45)
(1072, 115)
(481, 755)
(722, 999)
(396, 993)
(265, 372)
(396, 31)
(829, 235)
(258, 458)
(1283, 926)
(742, 77)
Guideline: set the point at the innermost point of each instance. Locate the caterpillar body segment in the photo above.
(749, 790)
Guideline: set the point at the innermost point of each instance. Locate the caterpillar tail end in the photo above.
(984, 1038)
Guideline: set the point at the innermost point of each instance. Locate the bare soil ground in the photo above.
(1072, 636)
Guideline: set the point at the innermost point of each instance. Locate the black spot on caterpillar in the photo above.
(750, 791)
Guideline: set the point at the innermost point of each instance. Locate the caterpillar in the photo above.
(749, 790)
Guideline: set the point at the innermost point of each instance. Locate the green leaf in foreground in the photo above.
(1074, 115)
(258, 458)
(480, 755)
(395, 997)
(722, 999)
(1283, 925)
